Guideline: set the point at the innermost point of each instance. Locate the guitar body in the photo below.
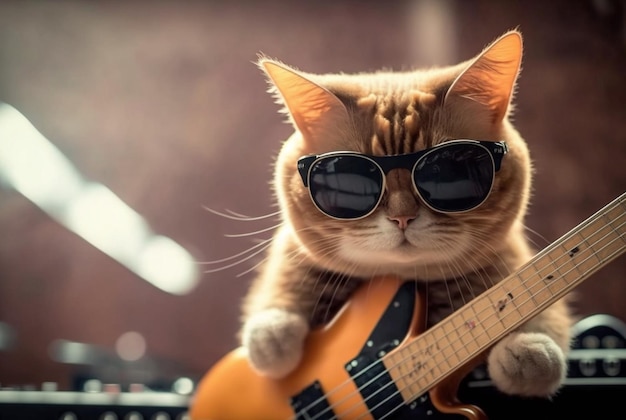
(324, 386)
(374, 360)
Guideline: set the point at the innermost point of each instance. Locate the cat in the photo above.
(317, 260)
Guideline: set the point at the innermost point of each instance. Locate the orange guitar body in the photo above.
(231, 390)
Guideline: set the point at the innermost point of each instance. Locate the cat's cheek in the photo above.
(274, 339)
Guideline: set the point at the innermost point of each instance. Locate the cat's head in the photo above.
(393, 113)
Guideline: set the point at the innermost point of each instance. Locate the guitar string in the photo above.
(475, 353)
(547, 250)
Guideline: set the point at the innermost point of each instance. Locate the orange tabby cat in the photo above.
(407, 219)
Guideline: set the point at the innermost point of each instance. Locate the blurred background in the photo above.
(149, 112)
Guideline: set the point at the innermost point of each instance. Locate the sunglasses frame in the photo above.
(495, 149)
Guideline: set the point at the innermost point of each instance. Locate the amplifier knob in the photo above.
(587, 367)
(161, 415)
(611, 366)
(133, 415)
(612, 342)
(93, 385)
(68, 415)
(108, 415)
(591, 342)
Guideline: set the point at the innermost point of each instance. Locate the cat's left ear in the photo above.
(489, 79)
(314, 110)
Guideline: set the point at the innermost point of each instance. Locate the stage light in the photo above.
(32, 165)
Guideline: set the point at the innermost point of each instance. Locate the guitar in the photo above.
(372, 361)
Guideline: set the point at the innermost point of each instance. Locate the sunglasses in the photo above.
(452, 177)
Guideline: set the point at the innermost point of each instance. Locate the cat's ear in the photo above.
(313, 109)
(489, 79)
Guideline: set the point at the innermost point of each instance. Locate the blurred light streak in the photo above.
(33, 166)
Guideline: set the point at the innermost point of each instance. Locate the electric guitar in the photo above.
(373, 361)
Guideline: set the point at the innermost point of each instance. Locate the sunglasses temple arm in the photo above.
(498, 150)
(303, 168)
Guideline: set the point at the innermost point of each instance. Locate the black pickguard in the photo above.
(366, 370)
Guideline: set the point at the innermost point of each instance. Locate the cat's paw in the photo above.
(274, 340)
(527, 364)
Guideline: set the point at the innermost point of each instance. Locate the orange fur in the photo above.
(315, 262)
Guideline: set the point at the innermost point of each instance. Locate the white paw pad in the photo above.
(274, 340)
(527, 364)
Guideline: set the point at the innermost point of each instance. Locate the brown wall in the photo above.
(160, 102)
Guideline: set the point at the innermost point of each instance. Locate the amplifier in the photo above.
(106, 405)
(594, 388)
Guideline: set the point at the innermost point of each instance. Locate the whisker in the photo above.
(538, 235)
(266, 244)
(482, 240)
(240, 217)
(254, 267)
(256, 232)
(260, 244)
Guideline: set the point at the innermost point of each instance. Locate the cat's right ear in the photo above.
(490, 78)
(314, 110)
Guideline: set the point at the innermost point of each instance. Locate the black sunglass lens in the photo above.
(345, 187)
(455, 178)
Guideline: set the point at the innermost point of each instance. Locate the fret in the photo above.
(591, 258)
(500, 308)
(431, 344)
(447, 360)
(481, 306)
(448, 351)
(536, 285)
(561, 280)
(429, 375)
(523, 300)
(476, 329)
(478, 322)
(591, 233)
(440, 337)
(574, 249)
(405, 354)
(436, 369)
(527, 277)
(471, 346)
(400, 372)
(617, 225)
(447, 327)
(465, 340)
(546, 266)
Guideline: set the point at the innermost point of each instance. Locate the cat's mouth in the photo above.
(405, 243)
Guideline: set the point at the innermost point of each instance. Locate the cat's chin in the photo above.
(403, 253)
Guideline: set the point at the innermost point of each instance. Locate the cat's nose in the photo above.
(403, 221)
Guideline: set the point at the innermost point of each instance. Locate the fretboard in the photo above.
(429, 358)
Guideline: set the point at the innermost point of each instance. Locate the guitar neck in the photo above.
(429, 358)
